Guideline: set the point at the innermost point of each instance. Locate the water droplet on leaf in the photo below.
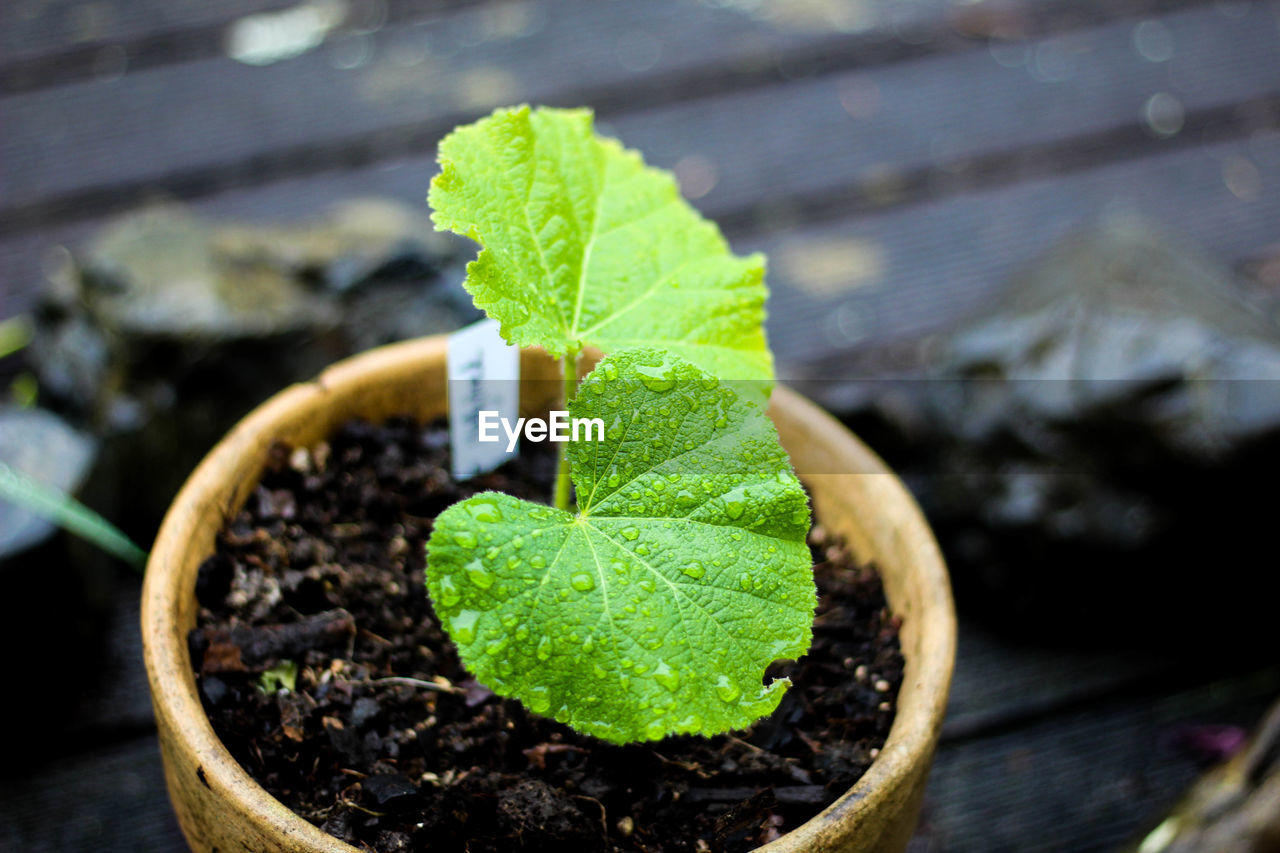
(484, 511)
(668, 678)
(727, 690)
(735, 502)
(449, 595)
(539, 700)
(659, 384)
(463, 626)
(479, 575)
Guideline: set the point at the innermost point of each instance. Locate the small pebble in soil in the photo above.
(388, 743)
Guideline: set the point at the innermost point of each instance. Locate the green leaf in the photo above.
(586, 245)
(15, 333)
(657, 607)
(282, 676)
(69, 514)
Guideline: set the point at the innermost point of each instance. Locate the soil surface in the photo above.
(324, 671)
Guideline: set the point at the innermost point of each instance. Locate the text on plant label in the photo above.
(559, 427)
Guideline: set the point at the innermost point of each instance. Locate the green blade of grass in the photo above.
(15, 333)
(69, 514)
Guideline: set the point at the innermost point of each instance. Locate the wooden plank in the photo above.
(32, 28)
(893, 273)
(1082, 782)
(195, 115)
(913, 270)
(867, 135)
(55, 43)
(46, 29)
(109, 799)
(197, 126)
(999, 683)
(118, 700)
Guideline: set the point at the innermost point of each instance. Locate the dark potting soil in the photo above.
(384, 740)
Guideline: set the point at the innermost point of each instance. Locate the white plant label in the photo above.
(484, 376)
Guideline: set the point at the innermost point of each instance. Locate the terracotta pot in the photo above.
(221, 808)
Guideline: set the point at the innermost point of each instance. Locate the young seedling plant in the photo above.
(654, 606)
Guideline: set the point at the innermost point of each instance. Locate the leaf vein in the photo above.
(680, 595)
(651, 291)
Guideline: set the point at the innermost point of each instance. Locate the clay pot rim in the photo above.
(176, 701)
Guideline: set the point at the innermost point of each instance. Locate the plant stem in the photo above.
(570, 363)
(417, 682)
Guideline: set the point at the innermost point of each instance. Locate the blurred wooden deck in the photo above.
(897, 160)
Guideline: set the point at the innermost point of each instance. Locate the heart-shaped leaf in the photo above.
(586, 245)
(656, 608)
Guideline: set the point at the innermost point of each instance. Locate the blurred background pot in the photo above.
(221, 808)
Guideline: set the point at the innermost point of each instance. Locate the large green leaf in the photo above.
(586, 245)
(657, 607)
